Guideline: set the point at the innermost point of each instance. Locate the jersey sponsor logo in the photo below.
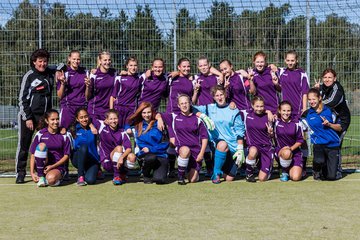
(105, 130)
(312, 118)
(285, 74)
(280, 125)
(36, 83)
(99, 78)
(45, 138)
(250, 118)
(179, 120)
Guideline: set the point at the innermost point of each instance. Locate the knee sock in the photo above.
(285, 165)
(115, 160)
(220, 158)
(250, 164)
(40, 158)
(182, 165)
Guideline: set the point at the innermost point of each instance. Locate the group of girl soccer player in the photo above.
(230, 118)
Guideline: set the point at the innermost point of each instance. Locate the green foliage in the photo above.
(222, 33)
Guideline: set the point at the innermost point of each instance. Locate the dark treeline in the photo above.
(335, 41)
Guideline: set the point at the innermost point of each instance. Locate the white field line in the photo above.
(1, 139)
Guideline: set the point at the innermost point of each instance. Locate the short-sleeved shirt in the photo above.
(266, 89)
(294, 85)
(153, 89)
(109, 139)
(57, 144)
(238, 92)
(178, 85)
(74, 94)
(126, 90)
(102, 87)
(206, 83)
(287, 133)
(256, 130)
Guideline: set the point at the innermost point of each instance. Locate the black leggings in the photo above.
(158, 165)
(326, 160)
(87, 165)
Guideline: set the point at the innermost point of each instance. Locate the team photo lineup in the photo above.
(225, 119)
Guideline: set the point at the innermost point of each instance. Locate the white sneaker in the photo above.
(42, 182)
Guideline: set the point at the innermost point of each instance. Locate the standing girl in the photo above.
(125, 91)
(50, 150)
(293, 84)
(181, 84)
(265, 81)
(236, 86)
(85, 156)
(258, 140)
(154, 86)
(288, 136)
(99, 87)
(71, 89)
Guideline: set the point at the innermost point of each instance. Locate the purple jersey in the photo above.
(206, 83)
(187, 130)
(256, 130)
(153, 89)
(109, 139)
(294, 84)
(126, 90)
(58, 145)
(74, 94)
(266, 89)
(238, 90)
(102, 87)
(287, 133)
(178, 85)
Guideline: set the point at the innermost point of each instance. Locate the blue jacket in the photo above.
(320, 134)
(152, 140)
(85, 136)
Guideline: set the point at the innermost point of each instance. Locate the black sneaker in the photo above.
(250, 178)
(317, 176)
(147, 180)
(20, 178)
(181, 182)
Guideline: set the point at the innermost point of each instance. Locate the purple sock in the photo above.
(181, 172)
(116, 170)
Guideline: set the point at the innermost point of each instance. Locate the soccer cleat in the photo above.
(41, 182)
(250, 178)
(123, 178)
(181, 181)
(284, 177)
(216, 180)
(81, 181)
(116, 181)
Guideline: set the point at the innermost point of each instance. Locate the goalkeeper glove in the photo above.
(239, 155)
(208, 122)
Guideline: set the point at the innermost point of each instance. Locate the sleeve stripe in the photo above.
(22, 90)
